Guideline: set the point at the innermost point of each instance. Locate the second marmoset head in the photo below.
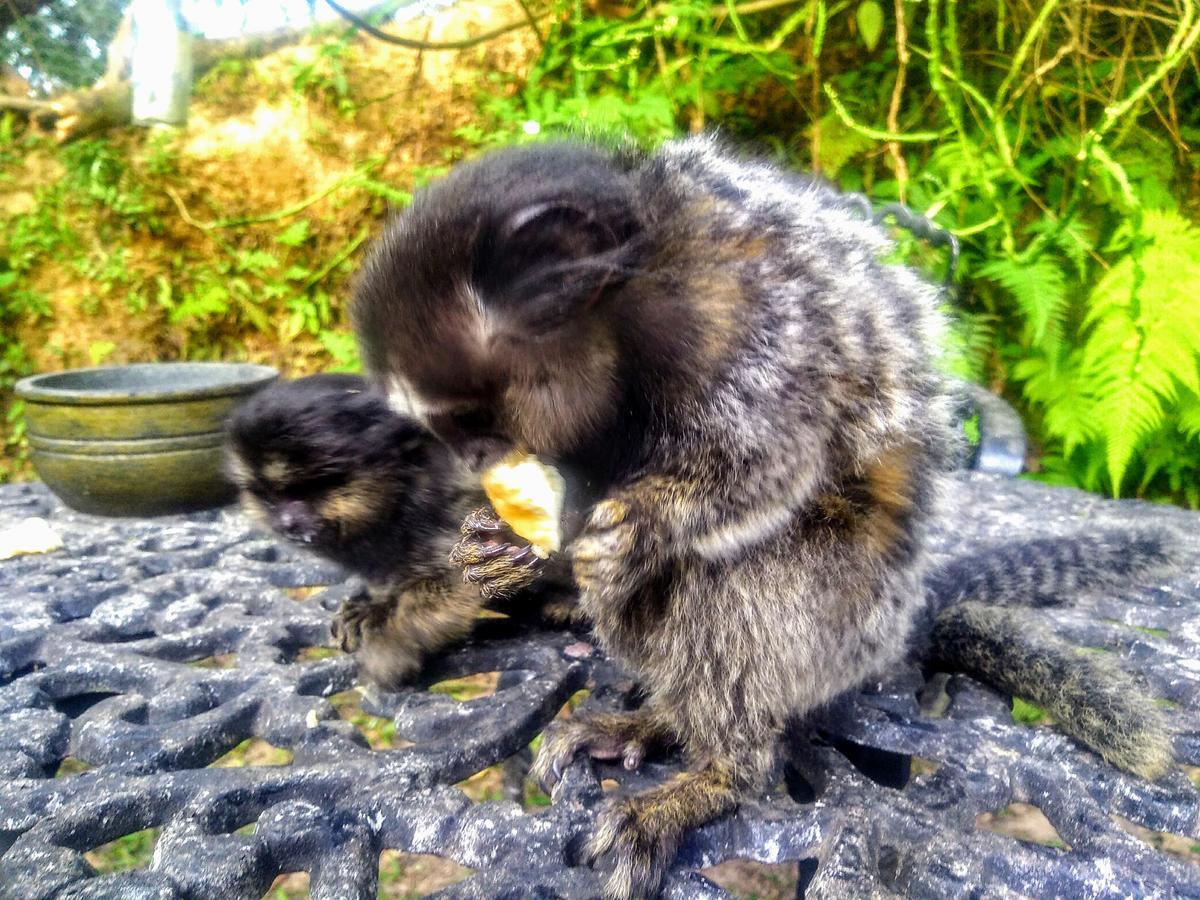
(324, 462)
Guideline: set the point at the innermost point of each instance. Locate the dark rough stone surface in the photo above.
(96, 641)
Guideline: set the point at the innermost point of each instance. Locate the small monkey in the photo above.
(325, 463)
(749, 396)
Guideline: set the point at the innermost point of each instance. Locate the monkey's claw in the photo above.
(610, 737)
(637, 847)
(482, 522)
(358, 616)
(491, 559)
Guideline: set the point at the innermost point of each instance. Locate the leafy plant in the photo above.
(324, 76)
(1134, 383)
(1055, 139)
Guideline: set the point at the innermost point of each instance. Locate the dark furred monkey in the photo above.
(324, 462)
(717, 347)
(749, 393)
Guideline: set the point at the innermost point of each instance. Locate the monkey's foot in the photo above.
(491, 558)
(639, 835)
(623, 736)
(360, 616)
(612, 557)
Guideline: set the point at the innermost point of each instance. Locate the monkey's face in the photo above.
(321, 467)
(303, 503)
(488, 310)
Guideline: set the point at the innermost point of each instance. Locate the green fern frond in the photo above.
(1040, 289)
(1145, 337)
(1189, 417)
(1075, 240)
(1061, 392)
(969, 339)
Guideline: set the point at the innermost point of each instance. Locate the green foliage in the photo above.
(1040, 291)
(62, 44)
(1134, 383)
(133, 851)
(869, 19)
(1050, 163)
(1057, 146)
(324, 78)
(644, 75)
(273, 274)
(1026, 713)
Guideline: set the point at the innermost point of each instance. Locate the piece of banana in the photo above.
(528, 495)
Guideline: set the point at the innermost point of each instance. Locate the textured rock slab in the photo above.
(99, 645)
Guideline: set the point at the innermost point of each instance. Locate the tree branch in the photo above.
(462, 44)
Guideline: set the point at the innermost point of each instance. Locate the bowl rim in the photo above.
(34, 388)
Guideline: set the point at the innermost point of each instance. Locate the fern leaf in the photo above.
(969, 339)
(1062, 394)
(1039, 287)
(1075, 240)
(1189, 417)
(1145, 337)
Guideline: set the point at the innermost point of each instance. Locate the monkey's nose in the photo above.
(295, 525)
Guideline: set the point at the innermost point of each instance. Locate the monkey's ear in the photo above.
(536, 239)
(563, 228)
(545, 263)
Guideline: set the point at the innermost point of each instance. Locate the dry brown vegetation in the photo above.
(235, 236)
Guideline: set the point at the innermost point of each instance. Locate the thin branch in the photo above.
(26, 104)
(411, 44)
(909, 137)
(893, 115)
(183, 211)
(757, 6)
(1018, 59)
(338, 258)
(533, 25)
(275, 216)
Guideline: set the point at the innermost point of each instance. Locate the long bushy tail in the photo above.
(1044, 571)
(1087, 695)
(979, 622)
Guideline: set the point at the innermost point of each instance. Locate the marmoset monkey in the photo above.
(324, 462)
(748, 391)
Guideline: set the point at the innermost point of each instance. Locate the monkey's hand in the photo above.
(364, 626)
(360, 615)
(494, 558)
(615, 555)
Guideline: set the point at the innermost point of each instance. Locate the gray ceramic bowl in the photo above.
(136, 440)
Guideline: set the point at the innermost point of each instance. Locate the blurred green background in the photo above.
(1056, 139)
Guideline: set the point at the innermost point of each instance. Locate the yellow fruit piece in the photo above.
(528, 495)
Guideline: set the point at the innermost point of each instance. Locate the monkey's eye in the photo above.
(311, 487)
